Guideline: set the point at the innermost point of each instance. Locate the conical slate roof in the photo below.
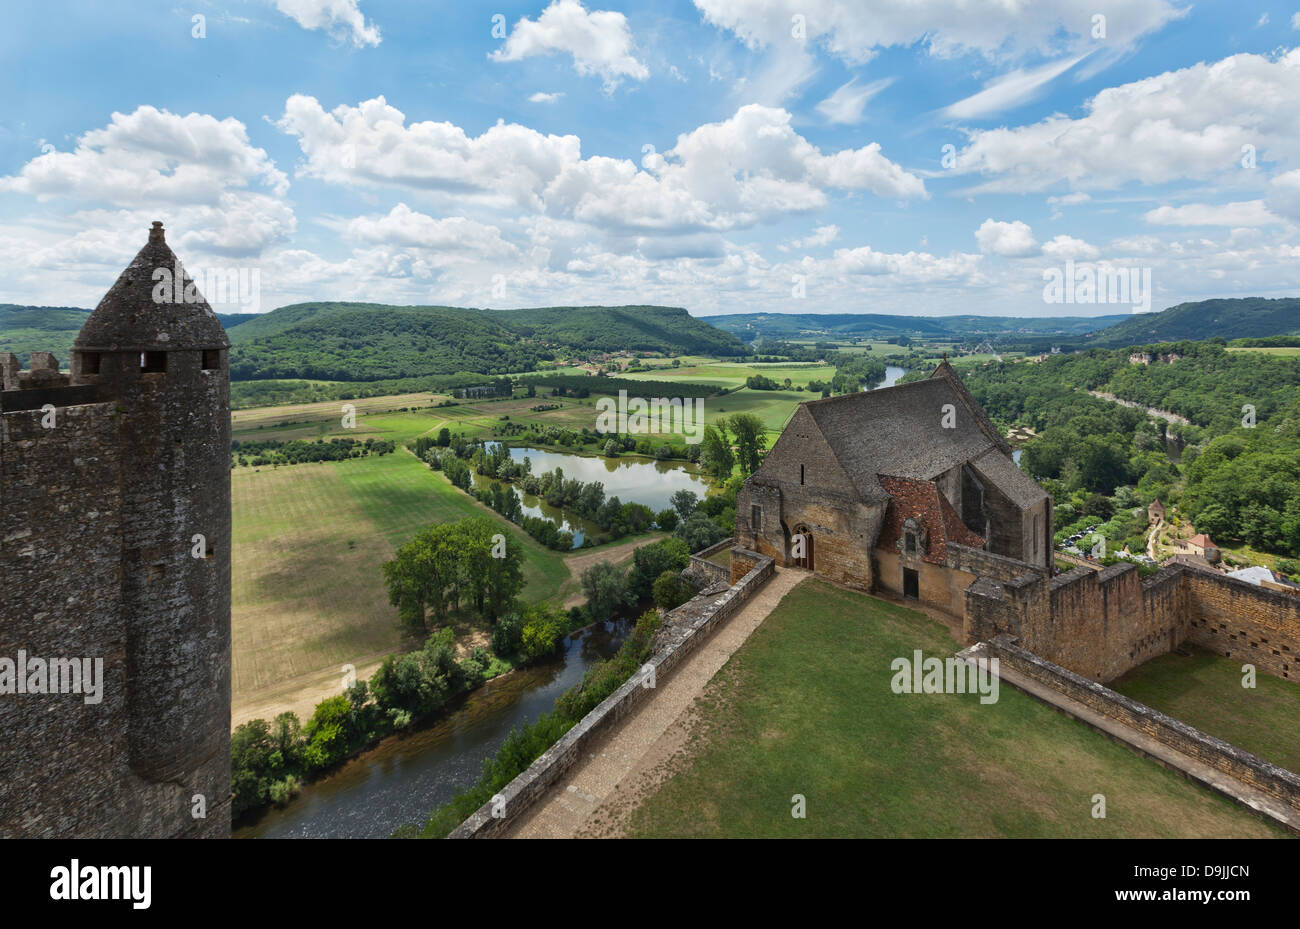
(130, 319)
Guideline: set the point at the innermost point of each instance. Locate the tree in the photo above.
(650, 561)
(684, 502)
(667, 519)
(611, 449)
(751, 439)
(670, 591)
(605, 588)
(715, 452)
(444, 437)
(699, 532)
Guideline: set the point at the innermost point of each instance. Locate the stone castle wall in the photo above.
(1243, 622)
(1101, 624)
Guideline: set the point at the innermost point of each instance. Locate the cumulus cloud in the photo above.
(1191, 123)
(854, 30)
(907, 267)
(846, 104)
(341, 19)
(750, 168)
(541, 97)
(1242, 213)
(1064, 247)
(151, 155)
(599, 41)
(196, 172)
(1284, 194)
(407, 228)
(1010, 240)
(818, 238)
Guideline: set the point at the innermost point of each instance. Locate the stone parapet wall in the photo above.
(704, 572)
(685, 628)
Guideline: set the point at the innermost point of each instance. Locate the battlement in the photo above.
(43, 373)
(43, 385)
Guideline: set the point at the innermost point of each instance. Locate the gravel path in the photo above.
(596, 793)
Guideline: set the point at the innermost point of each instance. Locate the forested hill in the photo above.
(369, 341)
(779, 326)
(1242, 317)
(27, 329)
(666, 329)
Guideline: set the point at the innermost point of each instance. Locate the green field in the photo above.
(1268, 349)
(805, 707)
(1204, 690)
(308, 543)
(733, 374)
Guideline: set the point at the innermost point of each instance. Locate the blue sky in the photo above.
(722, 155)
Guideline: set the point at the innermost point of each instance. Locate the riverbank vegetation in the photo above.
(523, 745)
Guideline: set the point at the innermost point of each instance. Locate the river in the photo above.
(633, 479)
(405, 777)
(892, 374)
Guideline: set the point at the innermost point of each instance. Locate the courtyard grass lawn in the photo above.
(805, 707)
(308, 542)
(1205, 691)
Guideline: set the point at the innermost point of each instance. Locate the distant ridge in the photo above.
(751, 326)
(1242, 317)
(373, 341)
(27, 329)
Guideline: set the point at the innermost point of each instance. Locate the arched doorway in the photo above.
(801, 548)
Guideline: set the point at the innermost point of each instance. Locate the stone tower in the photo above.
(119, 476)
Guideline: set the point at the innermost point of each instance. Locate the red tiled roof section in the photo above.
(922, 501)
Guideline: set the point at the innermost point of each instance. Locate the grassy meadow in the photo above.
(805, 707)
(1204, 690)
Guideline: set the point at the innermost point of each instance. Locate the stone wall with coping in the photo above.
(704, 572)
(685, 628)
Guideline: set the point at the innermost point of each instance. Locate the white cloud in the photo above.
(1284, 194)
(406, 228)
(1190, 123)
(1010, 240)
(909, 267)
(1295, 21)
(1072, 199)
(1242, 213)
(1010, 90)
(818, 238)
(599, 41)
(1063, 247)
(854, 30)
(750, 168)
(342, 19)
(845, 105)
(540, 97)
(151, 155)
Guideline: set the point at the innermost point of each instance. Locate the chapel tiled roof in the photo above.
(900, 431)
